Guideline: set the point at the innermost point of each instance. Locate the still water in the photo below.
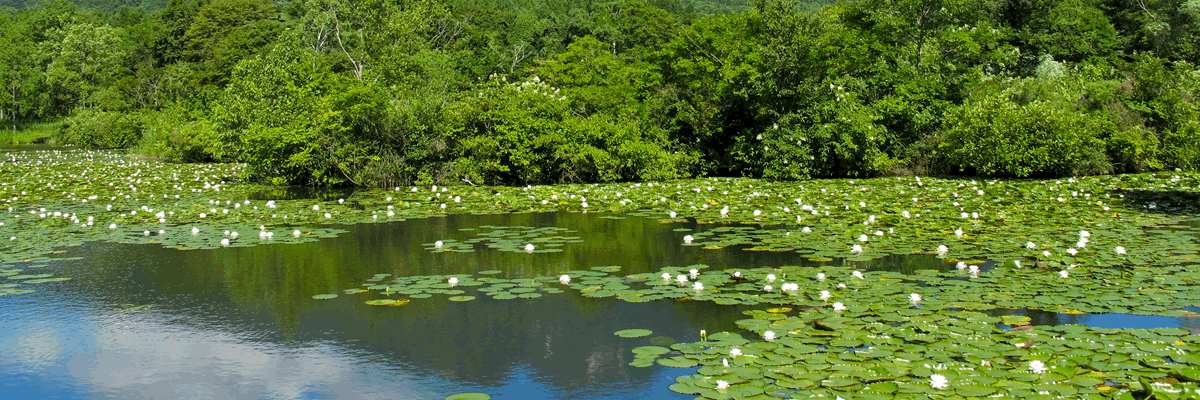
(142, 321)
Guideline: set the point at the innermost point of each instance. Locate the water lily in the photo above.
(1030, 245)
(224, 242)
(768, 336)
(942, 249)
(820, 276)
(666, 276)
(564, 279)
(1037, 367)
(438, 244)
(195, 230)
(937, 381)
(529, 248)
(672, 214)
(698, 286)
(858, 275)
(915, 298)
(863, 238)
(768, 288)
(1045, 253)
(737, 274)
(771, 277)
(974, 269)
(687, 239)
(856, 249)
(296, 233)
(734, 352)
(806, 229)
(725, 362)
(960, 266)
(958, 232)
(825, 295)
(681, 279)
(839, 307)
(694, 273)
(1119, 249)
(1072, 251)
(722, 385)
(1062, 274)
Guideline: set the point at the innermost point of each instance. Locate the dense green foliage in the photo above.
(383, 93)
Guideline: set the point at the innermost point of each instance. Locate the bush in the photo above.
(1003, 133)
(94, 129)
(836, 137)
(174, 135)
(526, 133)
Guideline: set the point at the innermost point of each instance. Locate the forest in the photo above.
(514, 92)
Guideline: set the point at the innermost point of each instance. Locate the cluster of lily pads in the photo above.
(522, 239)
(833, 331)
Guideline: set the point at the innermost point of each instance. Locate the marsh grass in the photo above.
(36, 132)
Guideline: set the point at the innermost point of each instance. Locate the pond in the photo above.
(426, 292)
(153, 322)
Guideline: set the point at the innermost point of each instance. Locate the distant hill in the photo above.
(104, 5)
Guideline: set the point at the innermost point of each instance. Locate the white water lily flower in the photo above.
(681, 279)
(863, 238)
(734, 352)
(806, 229)
(1119, 249)
(942, 249)
(937, 381)
(1030, 245)
(438, 244)
(1046, 253)
(687, 239)
(737, 274)
(452, 281)
(698, 286)
(1037, 367)
(722, 385)
(1072, 251)
(839, 307)
(915, 298)
(825, 295)
(224, 242)
(1062, 274)
(820, 276)
(768, 288)
(564, 279)
(856, 248)
(958, 232)
(1084, 234)
(858, 275)
(296, 233)
(694, 273)
(768, 336)
(529, 248)
(974, 269)
(960, 266)
(666, 276)
(195, 230)
(771, 277)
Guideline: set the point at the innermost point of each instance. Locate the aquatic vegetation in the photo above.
(846, 328)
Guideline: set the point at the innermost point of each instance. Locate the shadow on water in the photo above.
(1169, 202)
(142, 321)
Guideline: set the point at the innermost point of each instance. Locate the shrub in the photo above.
(997, 135)
(95, 129)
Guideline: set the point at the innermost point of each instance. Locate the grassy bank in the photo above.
(37, 132)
